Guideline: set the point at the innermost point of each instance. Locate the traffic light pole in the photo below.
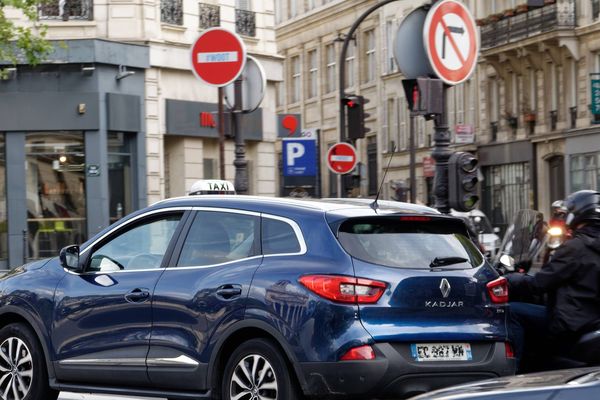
(240, 162)
(342, 76)
(413, 160)
(441, 154)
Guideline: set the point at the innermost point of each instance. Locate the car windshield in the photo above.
(392, 242)
(482, 224)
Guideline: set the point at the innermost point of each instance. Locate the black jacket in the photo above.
(572, 282)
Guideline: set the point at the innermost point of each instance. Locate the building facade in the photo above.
(115, 119)
(310, 36)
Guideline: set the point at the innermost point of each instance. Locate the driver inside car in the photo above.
(571, 283)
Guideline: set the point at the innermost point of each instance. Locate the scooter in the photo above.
(528, 242)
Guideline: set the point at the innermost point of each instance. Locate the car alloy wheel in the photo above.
(253, 379)
(16, 369)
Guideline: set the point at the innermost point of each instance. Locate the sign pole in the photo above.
(221, 136)
(240, 162)
(441, 154)
(413, 161)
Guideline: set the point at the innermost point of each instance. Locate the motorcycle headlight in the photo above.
(555, 231)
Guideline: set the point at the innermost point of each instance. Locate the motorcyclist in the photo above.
(571, 282)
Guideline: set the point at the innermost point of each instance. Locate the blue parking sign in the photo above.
(299, 156)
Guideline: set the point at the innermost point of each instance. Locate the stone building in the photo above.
(113, 120)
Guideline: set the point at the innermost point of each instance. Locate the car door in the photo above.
(102, 316)
(202, 292)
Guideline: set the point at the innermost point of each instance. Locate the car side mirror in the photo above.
(69, 258)
(508, 262)
(496, 230)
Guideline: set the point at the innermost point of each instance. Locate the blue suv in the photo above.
(248, 298)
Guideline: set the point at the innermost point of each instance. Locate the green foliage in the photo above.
(22, 41)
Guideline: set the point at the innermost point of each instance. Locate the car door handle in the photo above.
(138, 295)
(229, 291)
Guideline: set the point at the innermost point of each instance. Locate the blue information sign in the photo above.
(596, 96)
(299, 156)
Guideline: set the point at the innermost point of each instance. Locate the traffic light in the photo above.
(355, 110)
(425, 96)
(462, 181)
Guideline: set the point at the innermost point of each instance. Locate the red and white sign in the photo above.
(451, 41)
(341, 158)
(218, 57)
(464, 134)
(428, 167)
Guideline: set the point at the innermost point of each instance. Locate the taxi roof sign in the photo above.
(212, 186)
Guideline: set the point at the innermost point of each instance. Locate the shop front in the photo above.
(508, 176)
(72, 149)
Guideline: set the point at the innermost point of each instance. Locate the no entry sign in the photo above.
(451, 41)
(218, 56)
(341, 158)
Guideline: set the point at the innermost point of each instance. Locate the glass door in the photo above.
(55, 182)
(120, 177)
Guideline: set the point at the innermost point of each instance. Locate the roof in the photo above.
(259, 203)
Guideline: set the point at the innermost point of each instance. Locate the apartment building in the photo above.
(115, 119)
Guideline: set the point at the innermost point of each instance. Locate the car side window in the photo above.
(278, 237)
(141, 247)
(219, 237)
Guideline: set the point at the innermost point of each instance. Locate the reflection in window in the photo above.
(142, 247)
(55, 185)
(278, 237)
(217, 237)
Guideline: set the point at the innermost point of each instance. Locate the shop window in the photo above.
(120, 175)
(3, 216)
(585, 172)
(55, 189)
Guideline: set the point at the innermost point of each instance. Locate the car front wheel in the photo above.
(257, 371)
(23, 374)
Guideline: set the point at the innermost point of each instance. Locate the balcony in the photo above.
(245, 22)
(497, 31)
(67, 10)
(171, 12)
(210, 16)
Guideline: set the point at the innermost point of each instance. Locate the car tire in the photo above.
(262, 361)
(23, 373)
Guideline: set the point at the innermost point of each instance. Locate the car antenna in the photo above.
(374, 205)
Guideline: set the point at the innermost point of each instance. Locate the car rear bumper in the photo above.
(395, 374)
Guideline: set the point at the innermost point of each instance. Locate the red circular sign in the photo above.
(218, 56)
(451, 41)
(341, 158)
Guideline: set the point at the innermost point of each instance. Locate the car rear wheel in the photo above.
(23, 374)
(257, 371)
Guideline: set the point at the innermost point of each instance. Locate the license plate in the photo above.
(441, 352)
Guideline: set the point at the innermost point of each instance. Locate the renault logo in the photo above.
(445, 287)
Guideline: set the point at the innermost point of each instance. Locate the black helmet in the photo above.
(583, 206)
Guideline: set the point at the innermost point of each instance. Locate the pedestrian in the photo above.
(571, 285)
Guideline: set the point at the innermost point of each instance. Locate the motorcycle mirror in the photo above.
(508, 262)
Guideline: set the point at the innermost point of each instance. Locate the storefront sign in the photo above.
(93, 170)
(289, 125)
(596, 96)
(464, 134)
(428, 167)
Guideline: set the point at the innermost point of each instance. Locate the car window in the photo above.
(141, 247)
(278, 237)
(219, 237)
(407, 244)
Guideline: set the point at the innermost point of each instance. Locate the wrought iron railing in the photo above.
(67, 10)
(245, 22)
(210, 16)
(171, 12)
(560, 15)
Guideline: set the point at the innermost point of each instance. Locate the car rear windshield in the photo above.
(409, 242)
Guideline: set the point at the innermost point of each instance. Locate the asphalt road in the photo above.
(79, 396)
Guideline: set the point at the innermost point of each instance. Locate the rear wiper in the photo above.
(443, 261)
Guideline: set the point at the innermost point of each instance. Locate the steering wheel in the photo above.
(143, 261)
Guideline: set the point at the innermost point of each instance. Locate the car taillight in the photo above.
(509, 350)
(498, 290)
(359, 353)
(344, 289)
